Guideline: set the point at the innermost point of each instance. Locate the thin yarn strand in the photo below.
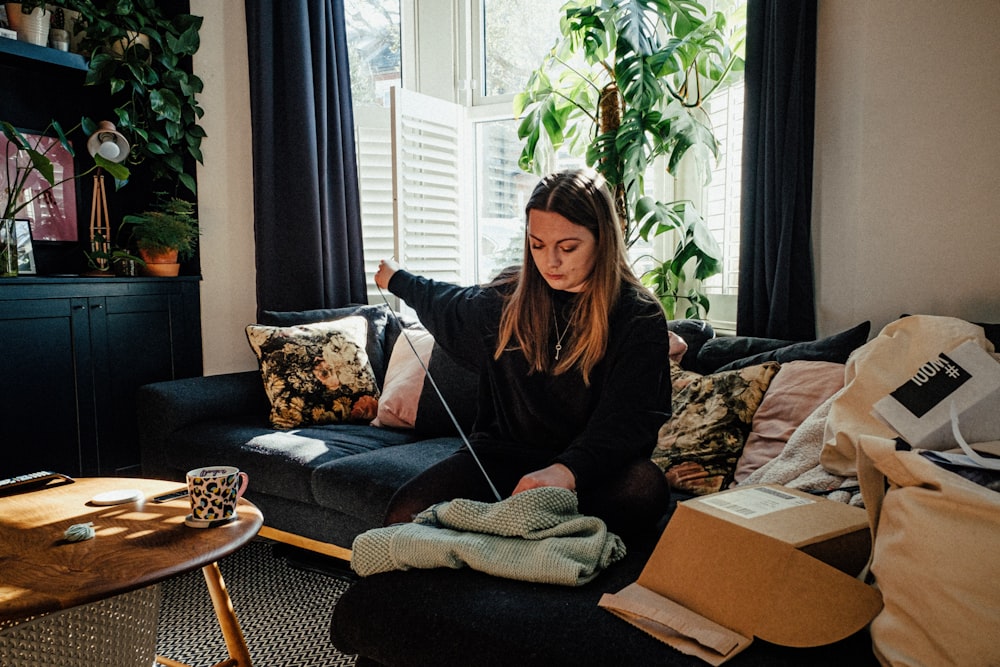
(447, 408)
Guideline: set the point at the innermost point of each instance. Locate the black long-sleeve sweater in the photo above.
(593, 430)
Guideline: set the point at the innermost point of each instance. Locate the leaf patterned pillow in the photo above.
(699, 446)
(316, 373)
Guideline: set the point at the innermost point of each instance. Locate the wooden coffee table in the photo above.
(137, 544)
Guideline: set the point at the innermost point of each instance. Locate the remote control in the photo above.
(180, 493)
(31, 480)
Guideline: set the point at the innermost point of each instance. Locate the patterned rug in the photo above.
(283, 606)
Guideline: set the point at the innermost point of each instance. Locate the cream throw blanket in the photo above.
(537, 535)
(798, 466)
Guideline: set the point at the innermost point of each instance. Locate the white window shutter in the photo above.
(373, 136)
(431, 178)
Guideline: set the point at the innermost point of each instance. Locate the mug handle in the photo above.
(244, 480)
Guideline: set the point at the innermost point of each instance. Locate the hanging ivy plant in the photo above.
(143, 56)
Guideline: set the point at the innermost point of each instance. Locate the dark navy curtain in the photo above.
(776, 293)
(306, 204)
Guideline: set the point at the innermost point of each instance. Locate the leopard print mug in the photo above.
(214, 490)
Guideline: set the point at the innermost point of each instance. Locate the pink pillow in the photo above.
(795, 392)
(404, 379)
(678, 346)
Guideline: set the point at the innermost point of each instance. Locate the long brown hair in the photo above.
(581, 197)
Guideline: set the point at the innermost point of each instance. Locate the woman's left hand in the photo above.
(555, 475)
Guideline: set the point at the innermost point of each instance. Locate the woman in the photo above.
(573, 354)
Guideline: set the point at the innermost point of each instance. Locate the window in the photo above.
(374, 50)
(515, 35)
(720, 201)
(496, 44)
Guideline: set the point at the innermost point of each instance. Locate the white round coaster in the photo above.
(117, 497)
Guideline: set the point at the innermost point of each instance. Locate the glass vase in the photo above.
(8, 248)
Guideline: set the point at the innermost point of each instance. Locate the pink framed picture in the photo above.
(53, 214)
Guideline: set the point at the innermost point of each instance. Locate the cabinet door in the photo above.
(137, 339)
(46, 387)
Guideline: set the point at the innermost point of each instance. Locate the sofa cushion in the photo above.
(379, 318)
(362, 485)
(727, 353)
(404, 379)
(279, 463)
(409, 398)
(698, 447)
(457, 618)
(794, 393)
(316, 373)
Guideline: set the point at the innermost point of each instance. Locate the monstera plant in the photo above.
(623, 86)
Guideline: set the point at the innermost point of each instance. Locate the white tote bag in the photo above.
(877, 368)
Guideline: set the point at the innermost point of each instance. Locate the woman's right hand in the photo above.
(386, 269)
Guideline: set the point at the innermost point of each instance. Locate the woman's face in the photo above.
(564, 252)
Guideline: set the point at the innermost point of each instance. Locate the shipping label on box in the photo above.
(920, 408)
(761, 561)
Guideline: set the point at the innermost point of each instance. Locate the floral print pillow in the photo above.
(699, 446)
(316, 373)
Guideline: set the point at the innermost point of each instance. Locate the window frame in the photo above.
(458, 67)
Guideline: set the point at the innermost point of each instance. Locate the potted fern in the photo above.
(623, 86)
(164, 235)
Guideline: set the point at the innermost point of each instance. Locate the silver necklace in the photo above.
(559, 336)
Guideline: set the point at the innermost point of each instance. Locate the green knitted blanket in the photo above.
(537, 535)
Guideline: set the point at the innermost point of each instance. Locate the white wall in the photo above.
(907, 161)
(225, 189)
(907, 166)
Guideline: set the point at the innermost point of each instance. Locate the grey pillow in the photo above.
(734, 352)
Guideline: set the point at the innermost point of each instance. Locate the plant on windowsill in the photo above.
(165, 234)
(624, 85)
(143, 56)
(33, 158)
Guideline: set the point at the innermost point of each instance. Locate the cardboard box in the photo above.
(762, 561)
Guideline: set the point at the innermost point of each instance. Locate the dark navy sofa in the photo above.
(320, 487)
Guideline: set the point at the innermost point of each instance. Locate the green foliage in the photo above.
(36, 159)
(105, 255)
(156, 97)
(170, 224)
(624, 86)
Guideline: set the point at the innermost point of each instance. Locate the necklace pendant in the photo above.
(558, 347)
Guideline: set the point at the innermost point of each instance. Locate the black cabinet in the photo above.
(73, 351)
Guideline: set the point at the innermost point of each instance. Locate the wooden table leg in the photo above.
(231, 631)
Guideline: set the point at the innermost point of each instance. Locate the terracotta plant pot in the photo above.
(13, 15)
(161, 270)
(160, 264)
